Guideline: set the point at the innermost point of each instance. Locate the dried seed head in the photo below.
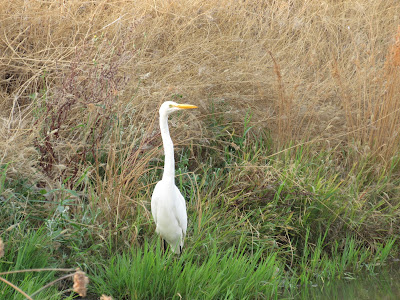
(1, 248)
(104, 297)
(80, 283)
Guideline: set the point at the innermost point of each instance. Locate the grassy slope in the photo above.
(290, 168)
(295, 220)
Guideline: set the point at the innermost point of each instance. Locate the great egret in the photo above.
(168, 206)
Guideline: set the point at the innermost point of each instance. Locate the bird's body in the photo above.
(169, 213)
(168, 206)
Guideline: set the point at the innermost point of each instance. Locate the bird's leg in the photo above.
(183, 262)
(164, 245)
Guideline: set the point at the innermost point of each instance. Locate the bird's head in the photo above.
(168, 107)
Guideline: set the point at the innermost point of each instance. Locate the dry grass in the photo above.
(306, 68)
(372, 110)
(81, 82)
(80, 283)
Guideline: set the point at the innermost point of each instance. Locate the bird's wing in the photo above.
(180, 213)
(155, 199)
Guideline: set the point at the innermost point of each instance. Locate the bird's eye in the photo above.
(170, 106)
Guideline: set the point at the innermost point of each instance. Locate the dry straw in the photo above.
(1, 248)
(203, 50)
(80, 283)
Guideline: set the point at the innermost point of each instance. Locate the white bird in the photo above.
(168, 206)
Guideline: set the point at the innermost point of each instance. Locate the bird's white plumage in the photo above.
(168, 206)
(169, 213)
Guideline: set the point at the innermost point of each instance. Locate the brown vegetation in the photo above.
(70, 70)
(80, 86)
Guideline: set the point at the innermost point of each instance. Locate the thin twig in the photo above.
(51, 283)
(37, 270)
(119, 18)
(16, 288)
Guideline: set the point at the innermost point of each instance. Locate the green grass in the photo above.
(28, 249)
(145, 273)
(261, 224)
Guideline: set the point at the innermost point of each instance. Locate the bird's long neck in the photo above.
(169, 164)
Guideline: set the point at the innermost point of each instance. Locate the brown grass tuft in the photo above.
(80, 283)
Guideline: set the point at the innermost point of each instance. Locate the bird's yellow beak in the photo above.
(185, 106)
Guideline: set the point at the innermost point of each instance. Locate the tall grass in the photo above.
(32, 250)
(309, 71)
(291, 163)
(372, 113)
(150, 274)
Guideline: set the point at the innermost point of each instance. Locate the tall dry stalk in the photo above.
(373, 114)
(384, 139)
(284, 108)
(132, 145)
